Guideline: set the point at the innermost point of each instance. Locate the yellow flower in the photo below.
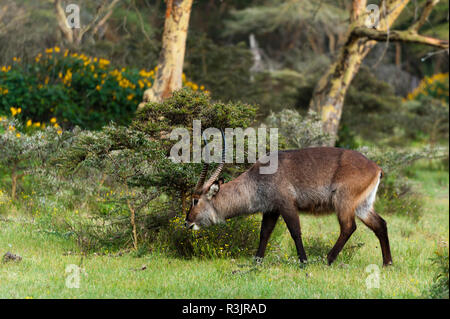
(59, 132)
(18, 135)
(37, 124)
(98, 87)
(130, 97)
(11, 128)
(14, 111)
(55, 125)
(29, 123)
(53, 120)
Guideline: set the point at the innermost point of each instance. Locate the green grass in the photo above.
(41, 273)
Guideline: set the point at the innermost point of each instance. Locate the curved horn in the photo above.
(201, 180)
(219, 169)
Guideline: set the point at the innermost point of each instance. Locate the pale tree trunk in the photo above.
(171, 59)
(329, 93)
(74, 36)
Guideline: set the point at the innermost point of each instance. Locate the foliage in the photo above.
(276, 17)
(74, 88)
(396, 194)
(299, 131)
(435, 87)
(24, 149)
(428, 120)
(223, 69)
(439, 288)
(136, 159)
(237, 237)
(372, 111)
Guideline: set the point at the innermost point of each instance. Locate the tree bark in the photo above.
(171, 59)
(75, 36)
(329, 93)
(14, 178)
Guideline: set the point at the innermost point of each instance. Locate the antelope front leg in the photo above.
(290, 216)
(268, 224)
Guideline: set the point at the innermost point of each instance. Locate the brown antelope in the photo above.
(320, 179)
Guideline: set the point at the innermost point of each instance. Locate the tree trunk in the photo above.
(14, 178)
(170, 66)
(13, 186)
(329, 93)
(75, 35)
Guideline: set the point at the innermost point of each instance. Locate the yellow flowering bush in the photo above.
(73, 88)
(435, 87)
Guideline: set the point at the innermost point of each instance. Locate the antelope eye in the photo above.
(195, 201)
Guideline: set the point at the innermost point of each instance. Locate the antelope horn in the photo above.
(219, 169)
(201, 180)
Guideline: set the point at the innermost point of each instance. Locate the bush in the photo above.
(435, 87)
(74, 88)
(236, 237)
(24, 149)
(297, 130)
(396, 194)
(428, 120)
(136, 161)
(439, 289)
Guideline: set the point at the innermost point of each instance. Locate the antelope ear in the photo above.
(213, 190)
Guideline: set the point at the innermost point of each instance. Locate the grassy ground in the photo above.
(42, 271)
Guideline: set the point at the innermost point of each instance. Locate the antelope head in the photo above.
(202, 211)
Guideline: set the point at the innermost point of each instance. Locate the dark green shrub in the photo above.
(235, 238)
(137, 164)
(439, 289)
(396, 194)
(24, 149)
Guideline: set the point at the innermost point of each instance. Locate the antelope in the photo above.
(317, 179)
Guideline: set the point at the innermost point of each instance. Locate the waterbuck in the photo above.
(319, 180)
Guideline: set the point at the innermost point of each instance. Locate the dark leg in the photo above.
(348, 226)
(268, 224)
(292, 221)
(378, 225)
